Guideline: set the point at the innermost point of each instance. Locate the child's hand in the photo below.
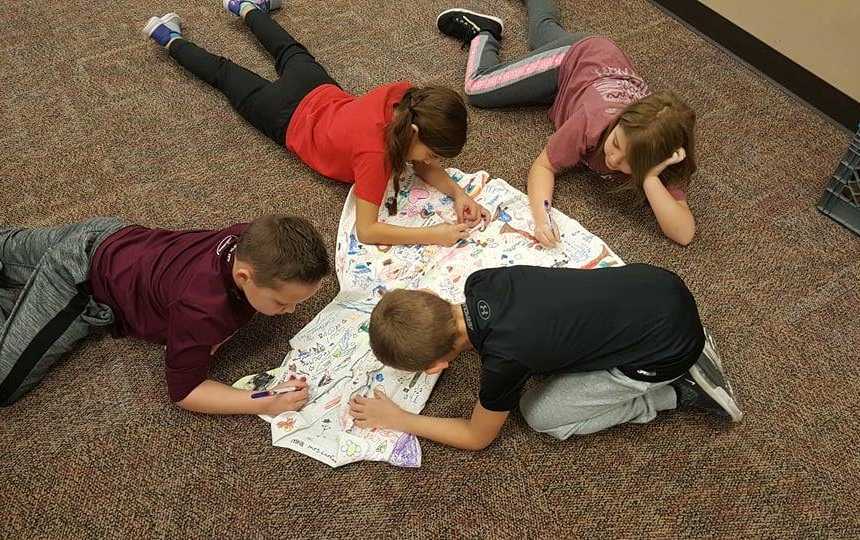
(290, 401)
(546, 234)
(448, 234)
(376, 412)
(470, 212)
(677, 157)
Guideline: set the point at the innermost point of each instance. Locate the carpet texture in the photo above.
(99, 121)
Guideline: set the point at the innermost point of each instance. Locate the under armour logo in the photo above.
(484, 310)
(226, 241)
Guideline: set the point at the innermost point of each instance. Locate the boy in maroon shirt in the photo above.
(187, 290)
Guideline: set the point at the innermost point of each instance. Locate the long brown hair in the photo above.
(441, 117)
(655, 127)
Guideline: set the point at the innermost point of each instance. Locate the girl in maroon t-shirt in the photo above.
(357, 139)
(604, 114)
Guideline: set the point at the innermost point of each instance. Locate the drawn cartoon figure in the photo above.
(508, 229)
(593, 262)
(475, 185)
(288, 424)
(354, 247)
(350, 449)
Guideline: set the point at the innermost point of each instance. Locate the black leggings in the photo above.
(267, 105)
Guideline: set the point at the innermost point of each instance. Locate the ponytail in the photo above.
(441, 118)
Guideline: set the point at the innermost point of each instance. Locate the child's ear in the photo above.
(414, 129)
(436, 367)
(242, 275)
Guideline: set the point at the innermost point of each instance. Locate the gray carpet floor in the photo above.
(99, 121)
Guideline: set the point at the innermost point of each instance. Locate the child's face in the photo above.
(615, 150)
(281, 299)
(420, 152)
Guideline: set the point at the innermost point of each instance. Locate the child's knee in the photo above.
(547, 420)
(535, 415)
(478, 100)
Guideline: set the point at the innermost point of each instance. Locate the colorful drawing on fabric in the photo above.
(333, 350)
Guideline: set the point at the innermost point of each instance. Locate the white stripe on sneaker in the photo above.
(716, 393)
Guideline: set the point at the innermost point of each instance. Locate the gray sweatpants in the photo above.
(583, 403)
(530, 80)
(45, 304)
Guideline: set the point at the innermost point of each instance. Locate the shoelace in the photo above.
(470, 26)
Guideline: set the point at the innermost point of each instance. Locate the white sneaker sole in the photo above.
(496, 19)
(154, 22)
(717, 393)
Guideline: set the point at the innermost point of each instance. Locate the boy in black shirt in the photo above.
(617, 344)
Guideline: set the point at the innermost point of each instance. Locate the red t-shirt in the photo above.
(343, 136)
(596, 80)
(174, 288)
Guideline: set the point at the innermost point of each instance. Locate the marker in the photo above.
(548, 208)
(267, 393)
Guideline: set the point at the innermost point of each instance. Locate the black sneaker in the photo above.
(705, 386)
(464, 25)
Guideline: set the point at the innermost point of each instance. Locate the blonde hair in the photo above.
(409, 329)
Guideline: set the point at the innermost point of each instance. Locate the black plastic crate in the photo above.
(841, 198)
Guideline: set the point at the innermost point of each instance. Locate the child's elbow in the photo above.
(686, 236)
(365, 235)
(681, 235)
(479, 443)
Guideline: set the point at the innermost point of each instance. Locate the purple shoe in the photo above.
(163, 29)
(235, 6)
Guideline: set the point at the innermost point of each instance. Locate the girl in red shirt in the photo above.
(363, 140)
(604, 114)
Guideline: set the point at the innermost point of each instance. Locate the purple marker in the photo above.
(548, 208)
(267, 393)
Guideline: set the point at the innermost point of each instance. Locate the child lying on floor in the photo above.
(613, 345)
(187, 290)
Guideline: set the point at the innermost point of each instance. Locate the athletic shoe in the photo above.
(235, 6)
(711, 353)
(705, 386)
(464, 25)
(163, 29)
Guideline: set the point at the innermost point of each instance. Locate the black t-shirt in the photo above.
(528, 320)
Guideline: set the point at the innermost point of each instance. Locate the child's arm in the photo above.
(371, 231)
(674, 216)
(468, 211)
(474, 433)
(540, 188)
(212, 397)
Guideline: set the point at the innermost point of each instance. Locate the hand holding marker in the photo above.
(277, 391)
(548, 208)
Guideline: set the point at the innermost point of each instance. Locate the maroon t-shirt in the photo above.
(596, 80)
(174, 288)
